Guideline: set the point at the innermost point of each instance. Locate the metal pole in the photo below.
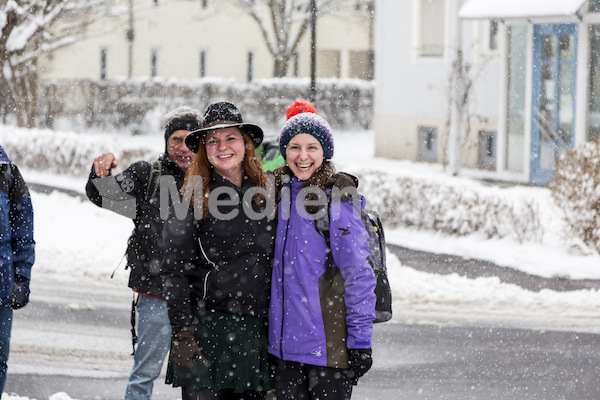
(130, 36)
(313, 50)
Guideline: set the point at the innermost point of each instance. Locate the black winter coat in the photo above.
(217, 264)
(144, 247)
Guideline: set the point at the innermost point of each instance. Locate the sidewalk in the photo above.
(446, 264)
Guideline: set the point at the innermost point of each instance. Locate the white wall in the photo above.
(412, 90)
(180, 29)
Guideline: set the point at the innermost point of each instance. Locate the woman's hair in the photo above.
(200, 166)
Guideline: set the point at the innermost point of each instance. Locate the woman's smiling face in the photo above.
(304, 155)
(225, 149)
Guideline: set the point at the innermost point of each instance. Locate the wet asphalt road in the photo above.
(411, 361)
(424, 362)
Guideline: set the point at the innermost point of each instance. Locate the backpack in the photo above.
(270, 156)
(374, 227)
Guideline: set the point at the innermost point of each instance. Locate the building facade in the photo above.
(185, 39)
(496, 88)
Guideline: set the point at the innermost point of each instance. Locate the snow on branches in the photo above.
(30, 28)
(283, 23)
(576, 190)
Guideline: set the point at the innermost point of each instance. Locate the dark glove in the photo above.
(342, 180)
(20, 292)
(184, 350)
(360, 361)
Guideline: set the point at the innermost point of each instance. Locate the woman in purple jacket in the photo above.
(320, 322)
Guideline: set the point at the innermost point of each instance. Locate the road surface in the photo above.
(75, 339)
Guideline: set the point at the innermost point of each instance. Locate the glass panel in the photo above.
(487, 149)
(515, 123)
(594, 5)
(547, 156)
(565, 114)
(428, 143)
(548, 47)
(593, 132)
(432, 21)
(493, 35)
(547, 102)
(490, 149)
(360, 63)
(328, 63)
(567, 47)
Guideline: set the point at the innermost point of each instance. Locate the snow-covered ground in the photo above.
(80, 245)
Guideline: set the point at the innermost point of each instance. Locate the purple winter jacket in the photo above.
(305, 324)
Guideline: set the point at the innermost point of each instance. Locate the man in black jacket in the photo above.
(140, 184)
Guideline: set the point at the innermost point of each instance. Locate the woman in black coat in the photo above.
(217, 264)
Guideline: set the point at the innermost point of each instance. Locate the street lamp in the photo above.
(130, 36)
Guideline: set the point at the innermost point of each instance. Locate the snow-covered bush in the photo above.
(449, 208)
(67, 152)
(576, 191)
(136, 105)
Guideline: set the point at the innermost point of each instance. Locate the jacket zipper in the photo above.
(285, 237)
(205, 285)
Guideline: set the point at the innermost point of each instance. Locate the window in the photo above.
(154, 63)
(202, 63)
(515, 112)
(328, 64)
(493, 42)
(155, 2)
(204, 4)
(427, 143)
(594, 5)
(361, 64)
(432, 22)
(250, 66)
(103, 62)
(368, 5)
(487, 149)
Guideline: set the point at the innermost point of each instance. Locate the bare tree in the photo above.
(460, 97)
(283, 23)
(28, 28)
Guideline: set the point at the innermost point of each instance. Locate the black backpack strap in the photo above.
(115, 270)
(154, 179)
(134, 338)
(323, 228)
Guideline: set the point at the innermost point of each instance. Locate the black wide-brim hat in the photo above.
(223, 115)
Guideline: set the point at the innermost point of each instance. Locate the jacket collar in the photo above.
(219, 180)
(170, 165)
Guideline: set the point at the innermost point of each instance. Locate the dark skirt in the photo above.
(236, 346)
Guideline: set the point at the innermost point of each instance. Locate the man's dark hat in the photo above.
(223, 115)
